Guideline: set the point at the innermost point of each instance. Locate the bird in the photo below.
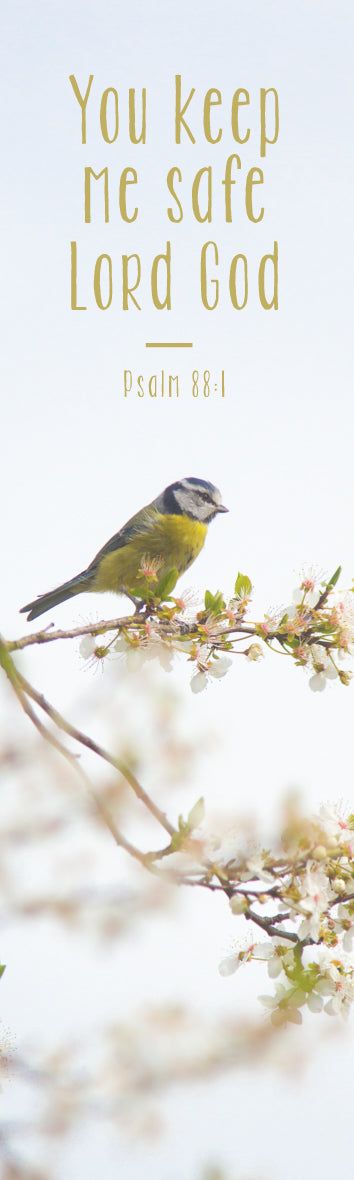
(165, 536)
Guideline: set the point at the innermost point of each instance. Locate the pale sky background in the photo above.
(78, 459)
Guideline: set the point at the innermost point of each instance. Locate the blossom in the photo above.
(219, 667)
(315, 895)
(158, 649)
(285, 1004)
(255, 870)
(149, 567)
(336, 826)
(267, 951)
(92, 650)
(340, 1001)
(322, 661)
(317, 683)
(238, 904)
(87, 646)
(298, 624)
(342, 617)
(303, 653)
(229, 965)
(312, 597)
(254, 652)
(315, 1002)
(199, 682)
(347, 942)
(323, 666)
(121, 643)
(305, 596)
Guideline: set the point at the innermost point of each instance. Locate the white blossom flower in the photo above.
(135, 656)
(343, 617)
(335, 981)
(291, 611)
(121, 644)
(315, 895)
(87, 646)
(306, 595)
(315, 1002)
(255, 870)
(229, 965)
(347, 942)
(163, 652)
(330, 671)
(322, 661)
(312, 597)
(281, 992)
(336, 826)
(220, 666)
(275, 966)
(263, 950)
(317, 683)
(324, 987)
(93, 649)
(340, 1002)
(238, 904)
(199, 682)
(254, 652)
(266, 950)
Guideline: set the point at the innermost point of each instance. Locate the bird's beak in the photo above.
(221, 508)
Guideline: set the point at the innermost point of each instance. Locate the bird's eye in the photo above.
(204, 496)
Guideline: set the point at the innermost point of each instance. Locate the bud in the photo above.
(345, 677)
(238, 904)
(320, 852)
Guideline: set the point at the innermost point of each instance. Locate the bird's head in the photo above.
(192, 497)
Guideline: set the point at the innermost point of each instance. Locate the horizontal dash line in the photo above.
(164, 344)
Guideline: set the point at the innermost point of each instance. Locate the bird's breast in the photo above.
(170, 541)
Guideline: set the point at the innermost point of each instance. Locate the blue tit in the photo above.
(167, 534)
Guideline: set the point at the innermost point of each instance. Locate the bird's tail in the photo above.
(47, 601)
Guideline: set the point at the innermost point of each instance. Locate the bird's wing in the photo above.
(142, 522)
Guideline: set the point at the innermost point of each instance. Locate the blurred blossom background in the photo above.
(122, 1043)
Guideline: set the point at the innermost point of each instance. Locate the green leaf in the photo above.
(214, 603)
(196, 815)
(243, 586)
(2, 969)
(176, 841)
(334, 579)
(166, 584)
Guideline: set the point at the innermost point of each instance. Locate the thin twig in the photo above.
(23, 688)
(90, 744)
(49, 635)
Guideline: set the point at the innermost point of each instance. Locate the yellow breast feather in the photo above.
(169, 541)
